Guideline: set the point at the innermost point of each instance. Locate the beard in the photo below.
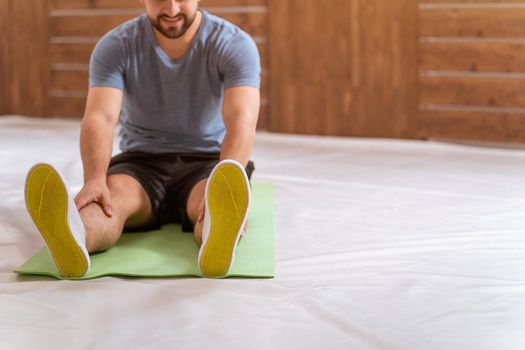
(173, 31)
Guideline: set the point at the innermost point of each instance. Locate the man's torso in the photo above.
(174, 105)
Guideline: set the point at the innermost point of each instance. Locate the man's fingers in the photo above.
(106, 205)
(108, 210)
(83, 199)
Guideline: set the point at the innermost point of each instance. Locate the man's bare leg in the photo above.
(220, 223)
(131, 208)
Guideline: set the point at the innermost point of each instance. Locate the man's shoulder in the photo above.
(116, 46)
(220, 32)
(217, 22)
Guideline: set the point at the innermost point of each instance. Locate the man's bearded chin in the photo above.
(172, 32)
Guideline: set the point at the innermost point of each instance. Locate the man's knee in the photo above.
(130, 200)
(118, 183)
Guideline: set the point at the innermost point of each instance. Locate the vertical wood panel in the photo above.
(25, 55)
(5, 61)
(307, 80)
(388, 105)
(349, 68)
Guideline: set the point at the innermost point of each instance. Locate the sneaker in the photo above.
(56, 217)
(227, 201)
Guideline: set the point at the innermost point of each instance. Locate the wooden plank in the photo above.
(71, 53)
(473, 56)
(264, 86)
(473, 126)
(86, 26)
(491, 92)
(263, 54)
(6, 64)
(94, 4)
(96, 26)
(355, 77)
(487, 39)
(262, 123)
(472, 22)
(67, 107)
(26, 53)
(69, 80)
(388, 91)
(297, 90)
(469, 1)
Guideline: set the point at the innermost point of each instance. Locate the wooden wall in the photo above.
(472, 69)
(451, 69)
(4, 58)
(344, 67)
(23, 56)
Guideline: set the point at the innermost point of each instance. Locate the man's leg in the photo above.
(131, 208)
(71, 235)
(226, 194)
(195, 204)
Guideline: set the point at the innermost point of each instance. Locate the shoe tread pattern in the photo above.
(47, 203)
(227, 203)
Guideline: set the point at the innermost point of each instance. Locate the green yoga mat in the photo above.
(169, 252)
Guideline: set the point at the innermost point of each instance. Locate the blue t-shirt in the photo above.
(174, 105)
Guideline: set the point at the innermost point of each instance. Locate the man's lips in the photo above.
(173, 20)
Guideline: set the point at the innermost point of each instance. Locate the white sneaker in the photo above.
(227, 201)
(56, 217)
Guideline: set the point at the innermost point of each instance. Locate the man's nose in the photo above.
(172, 8)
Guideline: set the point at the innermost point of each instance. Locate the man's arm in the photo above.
(96, 140)
(240, 112)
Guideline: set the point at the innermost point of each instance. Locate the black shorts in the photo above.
(168, 180)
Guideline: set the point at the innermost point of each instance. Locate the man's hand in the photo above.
(95, 192)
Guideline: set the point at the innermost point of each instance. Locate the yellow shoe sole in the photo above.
(228, 200)
(47, 203)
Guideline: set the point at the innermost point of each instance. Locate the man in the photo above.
(185, 85)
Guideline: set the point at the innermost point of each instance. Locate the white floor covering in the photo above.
(380, 244)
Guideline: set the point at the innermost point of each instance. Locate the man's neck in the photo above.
(176, 48)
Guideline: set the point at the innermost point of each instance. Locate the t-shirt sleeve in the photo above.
(240, 63)
(106, 66)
